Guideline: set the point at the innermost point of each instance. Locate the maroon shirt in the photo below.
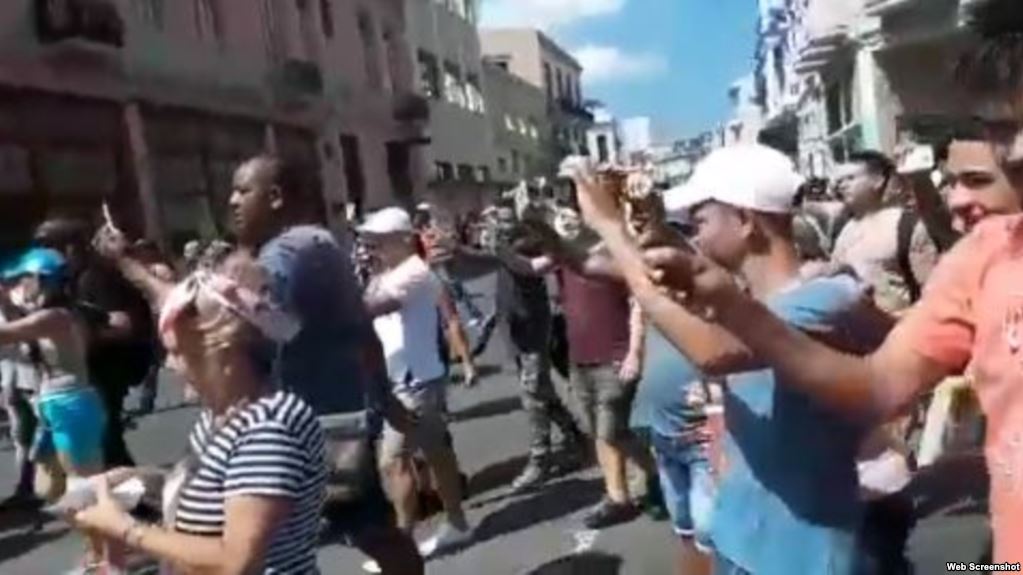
(597, 319)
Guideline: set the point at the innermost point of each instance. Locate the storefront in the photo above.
(60, 156)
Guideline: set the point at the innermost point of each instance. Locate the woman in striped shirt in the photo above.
(250, 497)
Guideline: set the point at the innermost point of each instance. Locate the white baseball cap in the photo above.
(752, 177)
(387, 221)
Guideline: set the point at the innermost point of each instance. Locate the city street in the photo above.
(537, 534)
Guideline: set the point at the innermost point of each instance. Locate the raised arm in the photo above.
(48, 323)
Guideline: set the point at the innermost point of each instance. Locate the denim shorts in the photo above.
(688, 484)
(75, 421)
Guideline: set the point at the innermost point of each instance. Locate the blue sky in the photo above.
(672, 60)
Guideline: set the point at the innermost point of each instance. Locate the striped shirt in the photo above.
(273, 447)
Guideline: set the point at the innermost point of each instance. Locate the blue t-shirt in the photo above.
(660, 404)
(313, 277)
(789, 499)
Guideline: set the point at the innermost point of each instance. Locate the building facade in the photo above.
(519, 124)
(836, 76)
(459, 158)
(148, 105)
(535, 58)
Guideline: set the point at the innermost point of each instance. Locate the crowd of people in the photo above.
(761, 348)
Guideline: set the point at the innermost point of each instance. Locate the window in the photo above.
(370, 51)
(151, 12)
(474, 95)
(444, 172)
(429, 75)
(602, 151)
(454, 93)
(548, 81)
(458, 7)
(355, 178)
(483, 174)
(561, 85)
(471, 12)
(308, 30)
(466, 173)
(207, 19)
(523, 128)
(393, 53)
(509, 123)
(534, 132)
(502, 165)
(272, 31)
(516, 163)
(327, 18)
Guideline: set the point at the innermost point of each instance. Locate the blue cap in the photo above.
(42, 262)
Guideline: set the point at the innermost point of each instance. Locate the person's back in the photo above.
(313, 277)
(523, 300)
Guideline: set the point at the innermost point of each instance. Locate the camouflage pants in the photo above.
(542, 404)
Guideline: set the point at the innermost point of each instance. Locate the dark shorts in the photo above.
(605, 402)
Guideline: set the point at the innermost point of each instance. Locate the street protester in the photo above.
(787, 499)
(604, 371)
(884, 242)
(19, 384)
(253, 482)
(403, 298)
(334, 363)
(121, 351)
(68, 443)
(523, 304)
(456, 338)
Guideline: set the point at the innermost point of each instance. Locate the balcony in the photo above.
(885, 7)
(823, 48)
(88, 24)
(411, 108)
(570, 108)
(297, 82)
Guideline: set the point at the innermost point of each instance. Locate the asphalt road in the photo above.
(538, 534)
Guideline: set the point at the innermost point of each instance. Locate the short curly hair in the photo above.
(992, 68)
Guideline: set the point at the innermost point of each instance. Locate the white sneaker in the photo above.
(371, 567)
(445, 537)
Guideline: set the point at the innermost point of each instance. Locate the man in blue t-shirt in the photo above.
(788, 498)
(335, 362)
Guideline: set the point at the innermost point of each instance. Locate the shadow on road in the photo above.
(496, 475)
(18, 543)
(493, 408)
(591, 563)
(555, 501)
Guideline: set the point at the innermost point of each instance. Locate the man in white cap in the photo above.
(403, 298)
(788, 498)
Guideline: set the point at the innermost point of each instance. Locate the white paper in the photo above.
(81, 493)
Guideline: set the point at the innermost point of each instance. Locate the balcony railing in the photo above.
(411, 108)
(297, 81)
(92, 22)
(571, 108)
(884, 7)
(822, 48)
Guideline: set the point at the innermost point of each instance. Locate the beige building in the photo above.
(149, 104)
(449, 70)
(520, 126)
(532, 56)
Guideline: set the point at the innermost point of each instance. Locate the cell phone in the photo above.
(920, 159)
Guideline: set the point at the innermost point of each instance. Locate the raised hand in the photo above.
(598, 193)
(690, 278)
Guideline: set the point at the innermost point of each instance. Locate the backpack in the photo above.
(907, 227)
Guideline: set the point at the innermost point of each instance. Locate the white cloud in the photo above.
(607, 63)
(546, 14)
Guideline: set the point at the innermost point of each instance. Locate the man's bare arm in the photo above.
(711, 349)
(879, 385)
(154, 288)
